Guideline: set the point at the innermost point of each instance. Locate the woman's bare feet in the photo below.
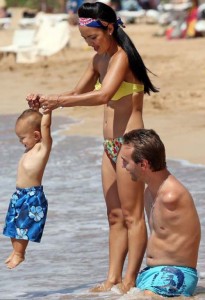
(122, 287)
(16, 259)
(102, 287)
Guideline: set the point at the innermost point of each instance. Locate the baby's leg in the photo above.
(18, 254)
(10, 256)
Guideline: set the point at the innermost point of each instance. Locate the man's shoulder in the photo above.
(174, 191)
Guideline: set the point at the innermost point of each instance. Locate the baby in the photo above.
(27, 210)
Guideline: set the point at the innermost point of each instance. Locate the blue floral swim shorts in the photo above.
(168, 281)
(26, 214)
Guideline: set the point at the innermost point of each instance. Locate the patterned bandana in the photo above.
(89, 22)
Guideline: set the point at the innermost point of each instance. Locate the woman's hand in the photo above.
(47, 103)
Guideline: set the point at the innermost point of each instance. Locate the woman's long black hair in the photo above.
(103, 12)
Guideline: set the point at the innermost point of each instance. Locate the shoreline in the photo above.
(176, 113)
(183, 142)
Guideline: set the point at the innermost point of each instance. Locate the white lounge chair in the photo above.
(50, 38)
(137, 15)
(22, 38)
(152, 16)
(28, 22)
(5, 22)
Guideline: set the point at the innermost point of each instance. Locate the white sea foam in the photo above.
(186, 163)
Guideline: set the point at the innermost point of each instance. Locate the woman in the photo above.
(117, 78)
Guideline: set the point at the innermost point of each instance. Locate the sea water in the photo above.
(73, 254)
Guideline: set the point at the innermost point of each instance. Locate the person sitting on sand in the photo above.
(172, 249)
(27, 211)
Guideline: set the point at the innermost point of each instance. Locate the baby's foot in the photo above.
(9, 258)
(15, 260)
(102, 287)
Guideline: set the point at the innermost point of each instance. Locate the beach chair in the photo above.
(51, 37)
(136, 15)
(31, 45)
(21, 38)
(26, 22)
(152, 16)
(5, 22)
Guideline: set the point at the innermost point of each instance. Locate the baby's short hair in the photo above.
(32, 116)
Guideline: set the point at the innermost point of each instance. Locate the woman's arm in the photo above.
(85, 84)
(116, 71)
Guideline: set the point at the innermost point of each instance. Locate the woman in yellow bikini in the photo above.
(117, 78)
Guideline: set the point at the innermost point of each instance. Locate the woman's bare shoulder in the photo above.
(119, 61)
(120, 55)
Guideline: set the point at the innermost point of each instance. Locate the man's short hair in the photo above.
(147, 145)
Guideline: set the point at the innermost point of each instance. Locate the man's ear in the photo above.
(144, 164)
(37, 135)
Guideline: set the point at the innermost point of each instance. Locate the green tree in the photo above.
(42, 5)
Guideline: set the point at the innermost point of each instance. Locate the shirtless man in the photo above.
(173, 245)
(27, 211)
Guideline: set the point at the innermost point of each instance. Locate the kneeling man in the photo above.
(173, 245)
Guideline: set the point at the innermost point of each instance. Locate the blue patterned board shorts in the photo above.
(168, 281)
(26, 214)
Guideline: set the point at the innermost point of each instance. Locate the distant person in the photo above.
(72, 10)
(3, 10)
(173, 245)
(130, 5)
(73, 5)
(145, 4)
(3, 13)
(116, 4)
(116, 78)
(27, 211)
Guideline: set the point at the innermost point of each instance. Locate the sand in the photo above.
(176, 112)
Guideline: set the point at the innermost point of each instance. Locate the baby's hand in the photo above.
(33, 101)
(36, 104)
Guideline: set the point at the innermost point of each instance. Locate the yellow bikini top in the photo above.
(125, 89)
